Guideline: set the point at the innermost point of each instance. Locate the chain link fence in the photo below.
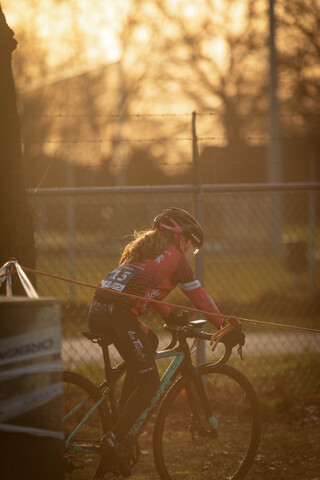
(261, 260)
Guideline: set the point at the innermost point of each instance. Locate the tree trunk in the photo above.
(16, 222)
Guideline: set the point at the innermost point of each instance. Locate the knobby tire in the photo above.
(185, 450)
(79, 390)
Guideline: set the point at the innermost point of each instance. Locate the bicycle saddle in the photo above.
(97, 338)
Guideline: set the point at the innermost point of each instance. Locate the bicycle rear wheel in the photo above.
(81, 453)
(184, 447)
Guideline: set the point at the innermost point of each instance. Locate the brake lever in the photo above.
(240, 351)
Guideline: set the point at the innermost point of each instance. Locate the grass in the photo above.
(249, 286)
(248, 281)
(241, 277)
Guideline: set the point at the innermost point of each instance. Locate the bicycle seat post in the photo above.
(106, 357)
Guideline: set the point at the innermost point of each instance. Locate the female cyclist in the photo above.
(151, 266)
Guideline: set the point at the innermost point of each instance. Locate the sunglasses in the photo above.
(195, 249)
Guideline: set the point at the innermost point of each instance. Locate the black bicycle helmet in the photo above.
(178, 221)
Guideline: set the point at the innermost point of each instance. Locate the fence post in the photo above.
(312, 228)
(71, 234)
(274, 150)
(198, 211)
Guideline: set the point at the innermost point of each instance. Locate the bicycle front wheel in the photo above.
(184, 444)
(83, 430)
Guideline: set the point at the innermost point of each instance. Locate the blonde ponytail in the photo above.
(147, 244)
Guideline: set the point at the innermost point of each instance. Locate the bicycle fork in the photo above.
(204, 430)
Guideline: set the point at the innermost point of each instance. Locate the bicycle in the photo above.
(208, 425)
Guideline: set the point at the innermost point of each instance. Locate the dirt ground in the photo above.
(289, 450)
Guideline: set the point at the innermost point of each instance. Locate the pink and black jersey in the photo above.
(155, 278)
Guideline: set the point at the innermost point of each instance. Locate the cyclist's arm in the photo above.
(191, 287)
(202, 300)
(162, 309)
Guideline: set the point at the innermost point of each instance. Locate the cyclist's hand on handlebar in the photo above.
(235, 336)
(230, 334)
(178, 320)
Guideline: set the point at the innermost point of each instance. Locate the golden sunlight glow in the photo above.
(218, 50)
(161, 58)
(63, 25)
(189, 10)
(142, 34)
(94, 27)
(237, 13)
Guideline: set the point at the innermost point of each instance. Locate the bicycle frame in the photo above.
(188, 395)
(180, 355)
(165, 382)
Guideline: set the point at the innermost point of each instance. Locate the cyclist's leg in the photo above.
(125, 331)
(151, 335)
(130, 380)
(136, 349)
(123, 328)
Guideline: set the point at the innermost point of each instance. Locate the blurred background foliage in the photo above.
(106, 89)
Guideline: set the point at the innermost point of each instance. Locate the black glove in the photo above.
(234, 337)
(178, 320)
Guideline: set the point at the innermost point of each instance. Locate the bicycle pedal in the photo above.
(105, 467)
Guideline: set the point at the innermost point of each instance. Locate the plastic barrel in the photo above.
(31, 426)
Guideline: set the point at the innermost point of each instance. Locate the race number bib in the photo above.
(119, 278)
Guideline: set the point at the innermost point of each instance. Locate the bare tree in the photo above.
(16, 224)
(299, 60)
(219, 58)
(199, 55)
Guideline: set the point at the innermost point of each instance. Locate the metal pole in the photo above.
(71, 233)
(274, 164)
(312, 228)
(274, 159)
(198, 211)
(119, 147)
